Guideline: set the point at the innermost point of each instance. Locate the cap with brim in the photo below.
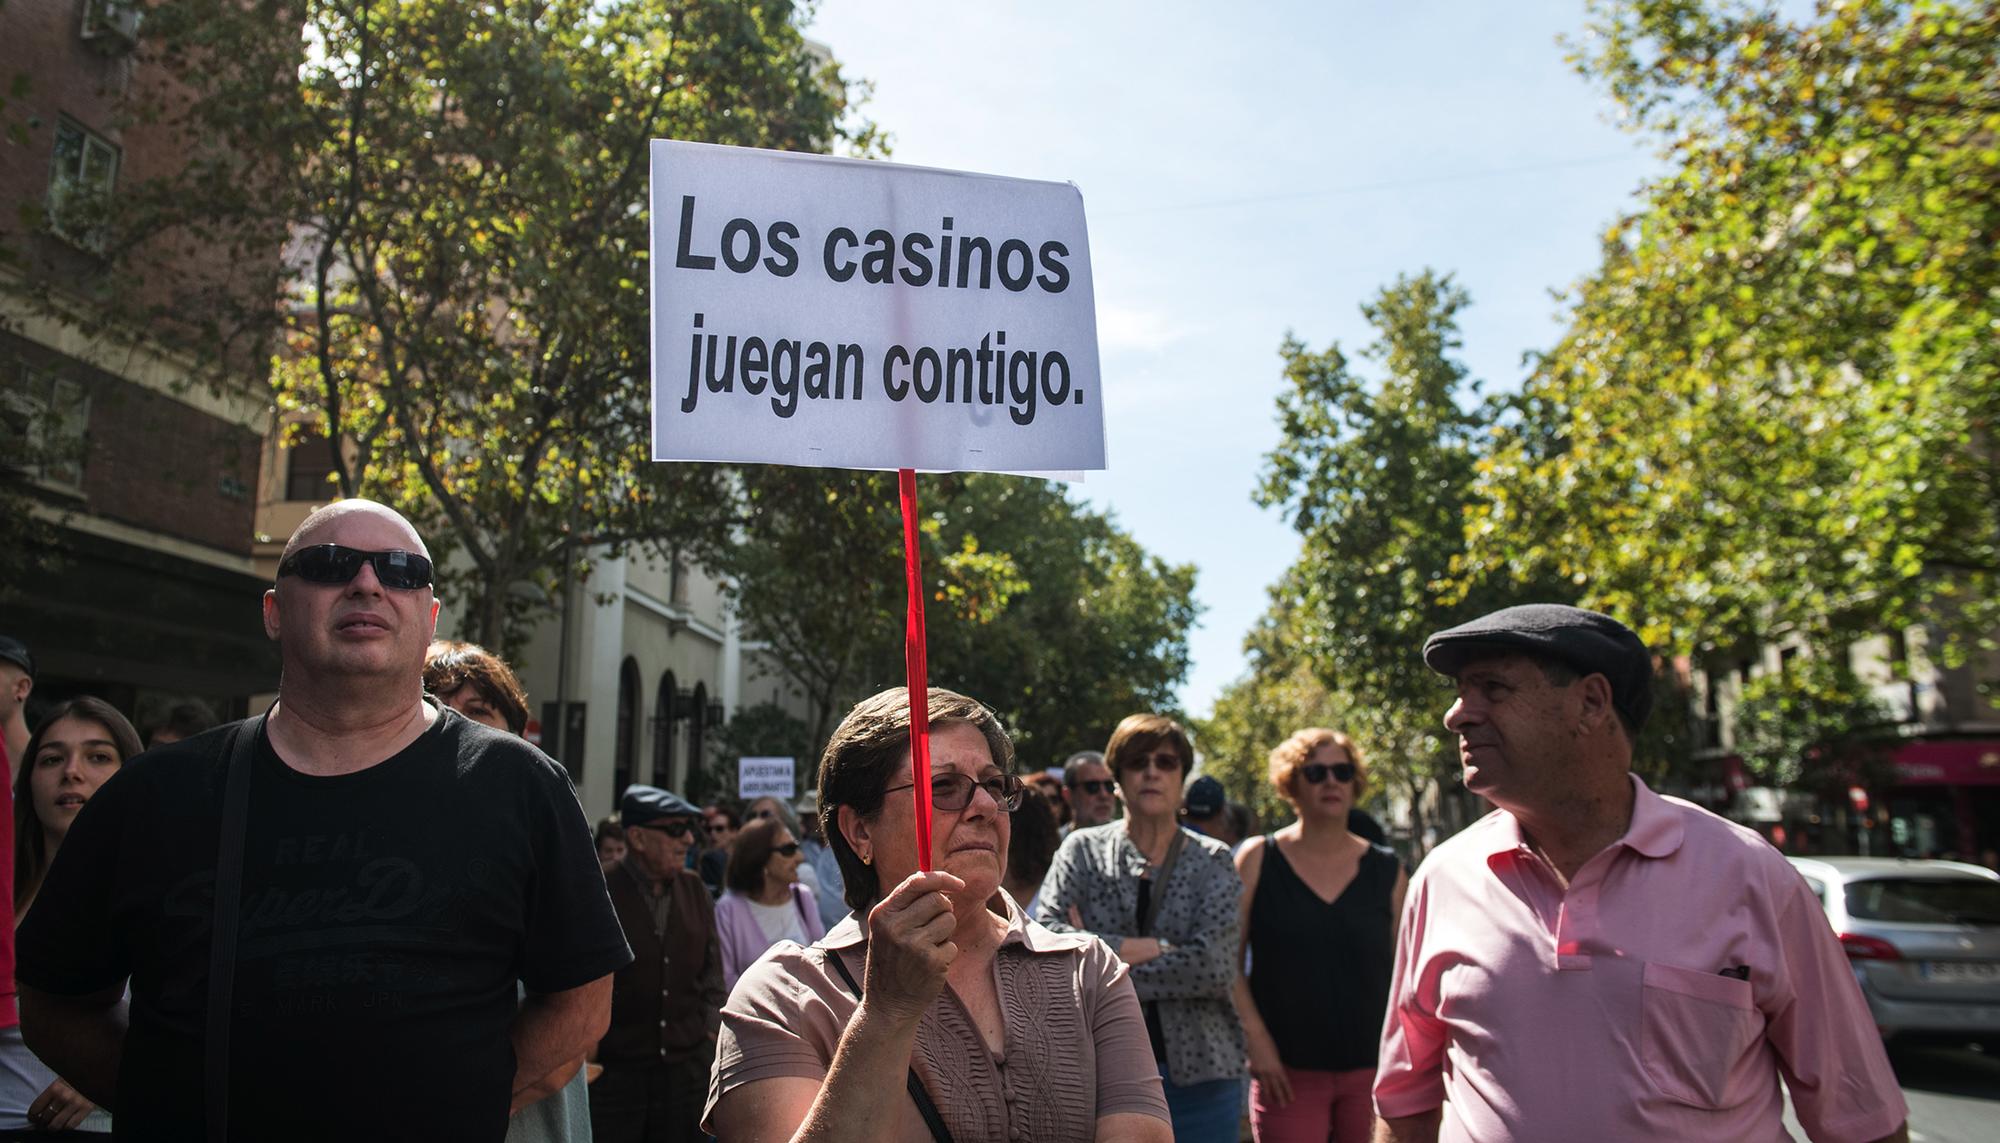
(1205, 797)
(14, 651)
(1591, 643)
(642, 804)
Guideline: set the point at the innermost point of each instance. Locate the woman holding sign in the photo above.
(936, 1010)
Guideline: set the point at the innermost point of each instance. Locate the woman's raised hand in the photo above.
(910, 945)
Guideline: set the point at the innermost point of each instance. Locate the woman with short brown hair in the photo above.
(1164, 897)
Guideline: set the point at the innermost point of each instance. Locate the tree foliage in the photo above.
(1774, 404)
(1377, 477)
(1035, 605)
(1279, 695)
(1815, 723)
(463, 297)
(762, 730)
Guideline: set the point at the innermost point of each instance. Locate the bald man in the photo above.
(403, 868)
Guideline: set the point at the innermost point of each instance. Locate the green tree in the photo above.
(814, 566)
(1774, 404)
(1377, 478)
(1097, 629)
(764, 730)
(1815, 724)
(1279, 695)
(463, 304)
(1035, 605)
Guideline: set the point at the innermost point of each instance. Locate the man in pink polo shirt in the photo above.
(1594, 962)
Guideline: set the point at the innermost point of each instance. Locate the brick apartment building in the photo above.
(147, 464)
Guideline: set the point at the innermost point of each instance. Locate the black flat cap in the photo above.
(642, 804)
(14, 651)
(1594, 644)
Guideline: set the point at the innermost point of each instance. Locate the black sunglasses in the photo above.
(953, 792)
(1317, 772)
(1163, 761)
(338, 564)
(678, 827)
(786, 850)
(1097, 786)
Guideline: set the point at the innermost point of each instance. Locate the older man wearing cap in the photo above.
(666, 1006)
(324, 912)
(1595, 961)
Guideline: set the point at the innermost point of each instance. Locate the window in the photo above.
(43, 418)
(627, 741)
(111, 26)
(81, 176)
(308, 465)
(1940, 901)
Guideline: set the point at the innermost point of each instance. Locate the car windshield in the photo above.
(1962, 901)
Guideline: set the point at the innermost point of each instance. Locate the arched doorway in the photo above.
(628, 726)
(697, 717)
(663, 734)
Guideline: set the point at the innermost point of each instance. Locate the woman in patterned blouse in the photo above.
(1164, 898)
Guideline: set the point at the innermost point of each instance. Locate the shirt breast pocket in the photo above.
(1696, 1027)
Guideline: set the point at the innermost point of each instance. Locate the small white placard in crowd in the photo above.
(764, 778)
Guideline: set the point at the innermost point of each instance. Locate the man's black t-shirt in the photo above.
(386, 918)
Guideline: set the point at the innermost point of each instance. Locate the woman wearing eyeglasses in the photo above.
(935, 1010)
(1165, 898)
(1318, 917)
(765, 903)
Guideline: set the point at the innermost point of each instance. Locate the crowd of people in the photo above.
(376, 912)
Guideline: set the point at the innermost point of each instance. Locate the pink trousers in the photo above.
(1325, 1106)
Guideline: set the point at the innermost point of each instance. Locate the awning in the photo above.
(1949, 762)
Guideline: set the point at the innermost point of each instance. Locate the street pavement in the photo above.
(1953, 1093)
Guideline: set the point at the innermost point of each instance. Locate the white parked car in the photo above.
(1923, 938)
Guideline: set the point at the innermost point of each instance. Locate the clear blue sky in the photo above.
(1248, 170)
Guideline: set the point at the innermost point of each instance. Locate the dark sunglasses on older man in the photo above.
(338, 564)
(953, 792)
(673, 827)
(1317, 772)
(1097, 786)
(1161, 760)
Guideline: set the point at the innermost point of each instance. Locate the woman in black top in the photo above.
(1319, 913)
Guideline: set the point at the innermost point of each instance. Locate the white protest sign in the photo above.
(849, 314)
(764, 778)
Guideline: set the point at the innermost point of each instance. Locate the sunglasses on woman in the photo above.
(953, 792)
(336, 565)
(1317, 772)
(1165, 761)
(789, 849)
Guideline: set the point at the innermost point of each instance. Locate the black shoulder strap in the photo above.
(222, 929)
(1156, 886)
(922, 1098)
